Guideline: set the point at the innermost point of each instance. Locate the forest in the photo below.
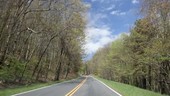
(141, 57)
(40, 40)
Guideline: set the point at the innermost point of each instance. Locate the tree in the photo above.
(40, 40)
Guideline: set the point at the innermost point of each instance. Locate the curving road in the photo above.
(83, 86)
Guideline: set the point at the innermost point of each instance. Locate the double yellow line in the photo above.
(76, 88)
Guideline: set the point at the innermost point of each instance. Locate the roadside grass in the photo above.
(128, 90)
(19, 89)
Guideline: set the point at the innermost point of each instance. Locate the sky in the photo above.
(106, 21)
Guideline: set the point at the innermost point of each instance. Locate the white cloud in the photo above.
(135, 1)
(88, 5)
(98, 33)
(117, 12)
(114, 12)
(122, 13)
(97, 38)
(94, 19)
(110, 8)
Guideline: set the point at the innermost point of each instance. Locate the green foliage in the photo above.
(12, 70)
(140, 59)
(40, 40)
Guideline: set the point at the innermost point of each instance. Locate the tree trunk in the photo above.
(68, 70)
(37, 65)
(58, 70)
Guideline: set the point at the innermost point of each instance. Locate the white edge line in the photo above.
(107, 86)
(41, 88)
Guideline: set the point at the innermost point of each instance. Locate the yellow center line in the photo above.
(76, 88)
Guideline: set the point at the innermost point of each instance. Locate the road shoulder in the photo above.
(107, 86)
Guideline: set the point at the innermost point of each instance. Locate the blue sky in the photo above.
(107, 20)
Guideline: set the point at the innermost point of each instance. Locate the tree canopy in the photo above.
(40, 40)
(141, 58)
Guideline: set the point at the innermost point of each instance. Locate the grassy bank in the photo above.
(19, 89)
(128, 90)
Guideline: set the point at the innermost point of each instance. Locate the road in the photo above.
(83, 86)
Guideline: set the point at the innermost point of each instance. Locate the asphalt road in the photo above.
(83, 86)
